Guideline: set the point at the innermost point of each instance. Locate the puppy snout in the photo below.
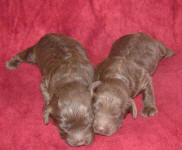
(103, 130)
(77, 142)
(80, 142)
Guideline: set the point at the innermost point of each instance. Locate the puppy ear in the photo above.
(133, 109)
(47, 111)
(93, 86)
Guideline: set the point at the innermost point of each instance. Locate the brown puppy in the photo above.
(66, 76)
(125, 73)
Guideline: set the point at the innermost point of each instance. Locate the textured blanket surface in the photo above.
(96, 24)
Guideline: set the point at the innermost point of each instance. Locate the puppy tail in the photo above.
(24, 56)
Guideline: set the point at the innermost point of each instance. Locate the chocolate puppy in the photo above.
(124, 74)
(66, 76)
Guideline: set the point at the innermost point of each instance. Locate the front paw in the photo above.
(149, 111)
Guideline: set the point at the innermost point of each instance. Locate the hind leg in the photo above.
(24, 56)
(149, 107)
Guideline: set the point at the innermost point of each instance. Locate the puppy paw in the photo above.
(149, 111)
(13, 63)
(169, 53)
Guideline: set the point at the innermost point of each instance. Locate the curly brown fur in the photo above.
(66, 76)
(120, 77)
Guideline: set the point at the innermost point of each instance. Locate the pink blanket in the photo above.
(96, 24)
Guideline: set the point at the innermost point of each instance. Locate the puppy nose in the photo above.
(101, 129)
(80, 142)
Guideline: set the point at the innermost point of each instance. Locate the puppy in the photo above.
(124, 74)
(66, 76)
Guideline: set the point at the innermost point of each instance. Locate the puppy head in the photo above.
(73, 116)
(110, 108)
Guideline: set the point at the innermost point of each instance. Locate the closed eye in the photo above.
(66, 126)
(116, 112)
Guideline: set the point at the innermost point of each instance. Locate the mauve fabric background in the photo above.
(96, 24)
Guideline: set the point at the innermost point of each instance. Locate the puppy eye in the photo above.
(65, 126)
(116, 113)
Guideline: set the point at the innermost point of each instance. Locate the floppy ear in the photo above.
(133, 109)
(47, 111)
(93, 86)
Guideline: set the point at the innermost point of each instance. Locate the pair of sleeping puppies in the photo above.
(81, 102)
